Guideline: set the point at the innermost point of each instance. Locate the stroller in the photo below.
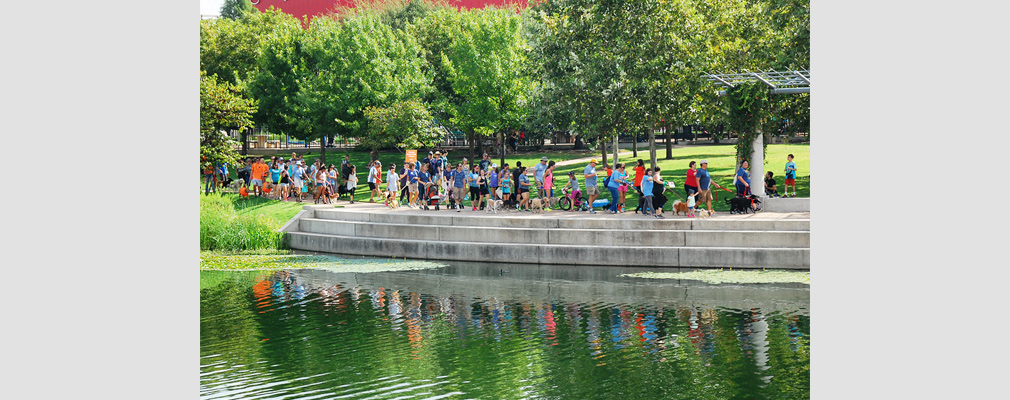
(434, 197)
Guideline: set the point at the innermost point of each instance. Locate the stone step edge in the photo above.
(502, 216)
(544, 244)
(417, 226)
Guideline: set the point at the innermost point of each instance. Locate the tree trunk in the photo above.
(504, 137)
(603, 146)
(617, 148)
(245, 145)
(652, 147)
(634, 146)
(669, 145)
(322, 151)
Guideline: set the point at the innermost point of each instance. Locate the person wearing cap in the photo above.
(705, 185)
(538, 174)
(592, 188)
(374, 180)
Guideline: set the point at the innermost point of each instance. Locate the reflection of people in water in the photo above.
(414, 325)
(395, 308)
(593, 334)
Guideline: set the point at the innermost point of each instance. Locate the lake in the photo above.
(494, 331)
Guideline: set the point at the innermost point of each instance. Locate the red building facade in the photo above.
(311, 8)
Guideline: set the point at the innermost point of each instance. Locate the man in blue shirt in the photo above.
(425, 181)
(592, 190)
(458, 177)
(704, 185)
(538, 175)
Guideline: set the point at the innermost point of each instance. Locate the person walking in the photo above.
(352, 182)
(742, 180)
(613, 184)
(283, 185)
(538, 174)
(639, 174)
(647, 192)
(459, 177)
(472, 180)
(424, 182)
(492, 182)
(790, 179)
(411, 185)
(515, 182)
(374, 180)
(548, 191)
(691, 183)
(208, 176)
(658, 186)
(592, 188)
(392, 181)
(524, 190)
(705, 184)
(506, 184)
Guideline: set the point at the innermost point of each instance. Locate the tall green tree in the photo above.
(222, 106)
(486, 67)
(404, 124)
(355, 62)
(235, 9)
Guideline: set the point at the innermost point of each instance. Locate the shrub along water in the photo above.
(224, 228)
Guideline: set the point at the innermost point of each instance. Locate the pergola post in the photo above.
(757, 165)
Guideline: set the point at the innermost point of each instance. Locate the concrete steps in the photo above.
(554, 238)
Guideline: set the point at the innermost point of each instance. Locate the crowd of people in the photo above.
(434, 182)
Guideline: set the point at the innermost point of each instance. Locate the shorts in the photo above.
(458, 193)
(704, 195)
(282, 185)
(592, 190)
(412, 187)
(484, 190)
(523, 190)
(622, 188)
(791, 182)
(256, 182)
(297, 182)
(371, 185)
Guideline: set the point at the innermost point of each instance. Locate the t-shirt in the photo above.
(692, 178)
(548, 180)
(403, 180)
(647, 185)
(690, 201)
(436, 166)
(372, 174)
(493, 179)
(614, 180)
(411, 176)
(275, 174)
(515, 176)
(790, 174)
(591, 180)
(639, 174)
(704, 179)
(769, 182)
(458, 178)
(423, 177)
(743, 174)
(259, 170)
(524, 179)
(538, 171)
(473, 179)
(484, 164)
(506, 183)
(392, 177)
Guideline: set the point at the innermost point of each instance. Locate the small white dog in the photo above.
(702, 213)
(236, 184)
(537, 205)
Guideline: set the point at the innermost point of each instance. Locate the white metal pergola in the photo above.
(778, 82)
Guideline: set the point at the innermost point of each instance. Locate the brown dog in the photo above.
(679, 207)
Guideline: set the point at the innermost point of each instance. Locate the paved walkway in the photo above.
(403, 210)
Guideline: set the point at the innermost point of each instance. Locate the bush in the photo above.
(222, 228)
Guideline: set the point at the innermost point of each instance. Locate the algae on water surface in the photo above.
(716, 276)
(219, 261)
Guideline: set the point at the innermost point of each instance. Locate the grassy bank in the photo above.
(230, 223)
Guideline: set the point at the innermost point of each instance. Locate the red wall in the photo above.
(300, 8)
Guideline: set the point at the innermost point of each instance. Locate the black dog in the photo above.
(744, 205)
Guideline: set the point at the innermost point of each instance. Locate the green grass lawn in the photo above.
(720, 158)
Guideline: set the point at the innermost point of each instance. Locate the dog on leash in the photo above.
(236, 184)
(703, 213)
(680, 207)
(744, 205)
(537, 205)
(493, 205)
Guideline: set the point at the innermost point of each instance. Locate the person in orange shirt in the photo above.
(639, 174)
(259, 169)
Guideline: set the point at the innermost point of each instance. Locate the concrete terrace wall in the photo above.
(553, 238)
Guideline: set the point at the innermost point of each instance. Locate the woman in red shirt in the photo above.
(691, 183)
(639, 174)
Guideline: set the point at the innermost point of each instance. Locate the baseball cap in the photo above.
(703, 162)
(543, 158)
(593, 161)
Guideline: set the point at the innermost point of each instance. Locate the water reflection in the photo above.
(465, 332)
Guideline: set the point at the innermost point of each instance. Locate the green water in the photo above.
(477, 331)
